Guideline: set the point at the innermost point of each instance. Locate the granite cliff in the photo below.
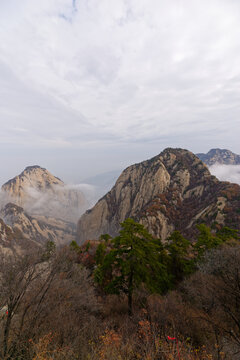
(172, 191)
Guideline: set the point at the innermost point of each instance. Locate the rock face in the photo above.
(38, 229)
(37, 207)
(219, 156)
(172, 191)
(12, 240)
(41, 193)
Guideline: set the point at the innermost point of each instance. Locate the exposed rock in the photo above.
(12, 240)
(219, 156)
(38, 229)
(172, 191)
(41, 193)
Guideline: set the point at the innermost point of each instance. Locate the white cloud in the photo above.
(67, 202)
(226, 172)
(84, 73)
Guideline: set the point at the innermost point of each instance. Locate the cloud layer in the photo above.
(85, 74)
(226, 172)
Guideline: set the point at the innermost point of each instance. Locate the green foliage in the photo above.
(87, 247)
(102, 248)
(132, 260)
(100, 253)
(179, 262)
(226, 234)
(207, 240)
(74, 246)
(50, 248)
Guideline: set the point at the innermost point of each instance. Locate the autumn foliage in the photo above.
(51, 308)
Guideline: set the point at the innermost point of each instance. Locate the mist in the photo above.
(66, 202)
(226, 172)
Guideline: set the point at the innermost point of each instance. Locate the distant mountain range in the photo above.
(172, 191)
(219, 156)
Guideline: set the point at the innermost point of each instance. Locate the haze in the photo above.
(92, 86)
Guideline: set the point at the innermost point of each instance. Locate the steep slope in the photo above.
(173, 190)
(41, 193)
(12, 240)
(219, 156)
(38, 229)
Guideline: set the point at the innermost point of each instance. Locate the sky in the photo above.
(89, 86)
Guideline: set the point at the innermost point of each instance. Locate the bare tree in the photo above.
(43, 292)
(214, 294)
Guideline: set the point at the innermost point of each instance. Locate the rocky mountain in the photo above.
(172, 191)
(39, 229)
(12, 240)
(41, 193)
(219, 156)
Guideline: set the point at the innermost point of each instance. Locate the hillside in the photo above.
(12, 240)
(173, 190)
(39, 229)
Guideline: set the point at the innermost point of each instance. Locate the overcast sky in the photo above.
(89, 86)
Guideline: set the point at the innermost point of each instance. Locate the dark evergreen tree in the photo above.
(180, 262)
(132, 260)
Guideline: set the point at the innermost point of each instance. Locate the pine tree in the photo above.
(179, 261)
(132, 260)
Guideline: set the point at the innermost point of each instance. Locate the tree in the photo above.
(43, 292)
(207, 240)
(212, 294)
(180, 264)
(129, 260)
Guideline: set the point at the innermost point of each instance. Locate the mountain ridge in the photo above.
(171, 191)
(219, 156)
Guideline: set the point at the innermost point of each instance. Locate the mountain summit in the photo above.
(32, 178)
(172, 191)
(219, 156)
(41, 193)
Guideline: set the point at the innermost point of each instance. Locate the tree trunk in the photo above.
(130, 292)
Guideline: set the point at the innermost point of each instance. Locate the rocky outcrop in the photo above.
(38, 229)
(41, 193)
(219, 156)
(172, 191)
(12, 241)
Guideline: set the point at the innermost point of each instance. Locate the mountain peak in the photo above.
(39, 192)
(33, 167)
(172, 191)
(32, 176)
(219, 156)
